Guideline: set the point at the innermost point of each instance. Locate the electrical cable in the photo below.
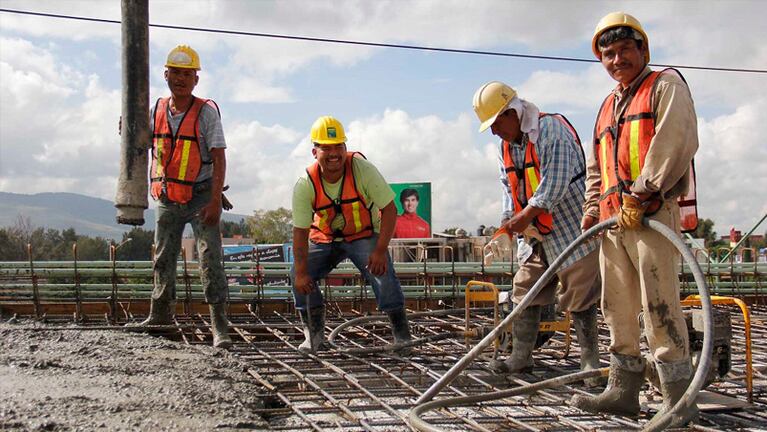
(375, 44)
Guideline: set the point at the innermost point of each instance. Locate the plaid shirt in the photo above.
(562, 160)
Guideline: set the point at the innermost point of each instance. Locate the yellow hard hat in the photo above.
(183, 57)
(618, 19)
(327, 130)
(490, 100)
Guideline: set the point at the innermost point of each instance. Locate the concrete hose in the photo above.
(396, 346)
(697, 383)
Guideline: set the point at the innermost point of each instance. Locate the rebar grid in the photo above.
(335, 391)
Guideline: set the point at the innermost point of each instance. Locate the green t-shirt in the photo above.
(370, 184)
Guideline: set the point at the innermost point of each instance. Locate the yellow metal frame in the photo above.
(473, 295)
(694, 300)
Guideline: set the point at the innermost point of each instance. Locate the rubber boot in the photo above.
(160, 313)
(524, 332)
(621, 397)
(585, 323)
(219, 326)
(314, 330)
(674, 380)
(400, 329)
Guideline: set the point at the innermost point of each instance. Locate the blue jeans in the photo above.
(323, 258)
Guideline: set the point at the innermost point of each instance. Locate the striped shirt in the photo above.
(562, 160)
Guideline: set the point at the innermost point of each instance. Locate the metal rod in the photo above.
(744, 238)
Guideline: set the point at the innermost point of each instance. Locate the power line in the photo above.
(373, 44)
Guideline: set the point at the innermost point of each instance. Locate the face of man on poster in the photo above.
(410, 204)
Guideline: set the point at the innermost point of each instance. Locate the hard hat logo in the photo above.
(183, 57)
(490, 100)
(180, 58)
(327, 130)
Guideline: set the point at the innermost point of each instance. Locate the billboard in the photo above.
(413, 202)
(266, 253)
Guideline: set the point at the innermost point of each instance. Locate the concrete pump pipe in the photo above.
(661, 420)
(131, 197)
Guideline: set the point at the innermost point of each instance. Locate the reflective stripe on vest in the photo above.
(621, 165)
(176, 160)
(531, 176)
(358, 221)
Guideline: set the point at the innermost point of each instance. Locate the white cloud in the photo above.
(464, 174)
(58, 118)
(732, 167)
(563, 91)
(264, 163)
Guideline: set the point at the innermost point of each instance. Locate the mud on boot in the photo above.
(524, 333)
(220, 326)
(314, 330)
(674, 379)
(621, 397)
(585, 323)
(160, 313)
(400, 329)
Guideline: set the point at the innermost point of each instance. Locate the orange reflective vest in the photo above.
(530, 176)
(358, 221)
(176, 160)
(620, 165)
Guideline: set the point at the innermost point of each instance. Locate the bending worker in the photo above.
(645, 138)
(187, 178)
(542, 172)
(342, 208)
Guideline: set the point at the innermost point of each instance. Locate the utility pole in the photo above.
(131, 197)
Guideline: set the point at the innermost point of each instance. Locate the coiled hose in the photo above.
(399, 345)
(659, 422)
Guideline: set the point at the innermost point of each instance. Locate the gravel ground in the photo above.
(60, 380)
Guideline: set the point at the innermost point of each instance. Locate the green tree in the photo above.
(231, 229)
(706, 231)
(10, 247)
(92, 248)
(271, 226)
(138, 248)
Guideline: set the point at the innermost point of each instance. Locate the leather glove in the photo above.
(531, 232)
(225, 203)
(632, 212)
(499, 245)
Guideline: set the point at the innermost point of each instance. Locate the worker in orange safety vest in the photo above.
(342, 208)
(645, 138)
(187, 179)
(542, 173)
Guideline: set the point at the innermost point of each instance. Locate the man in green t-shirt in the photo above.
(342, 208)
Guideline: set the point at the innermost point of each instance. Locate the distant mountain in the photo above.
(87, 215)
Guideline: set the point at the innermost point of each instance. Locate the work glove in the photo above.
(225, 203)
(498, 245)
(631, 213)
(531, 232)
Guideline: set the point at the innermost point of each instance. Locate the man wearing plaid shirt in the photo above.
(542, 173)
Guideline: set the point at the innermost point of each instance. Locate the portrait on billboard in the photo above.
(413, 202)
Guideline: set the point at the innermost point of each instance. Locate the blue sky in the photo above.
(408, 111)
